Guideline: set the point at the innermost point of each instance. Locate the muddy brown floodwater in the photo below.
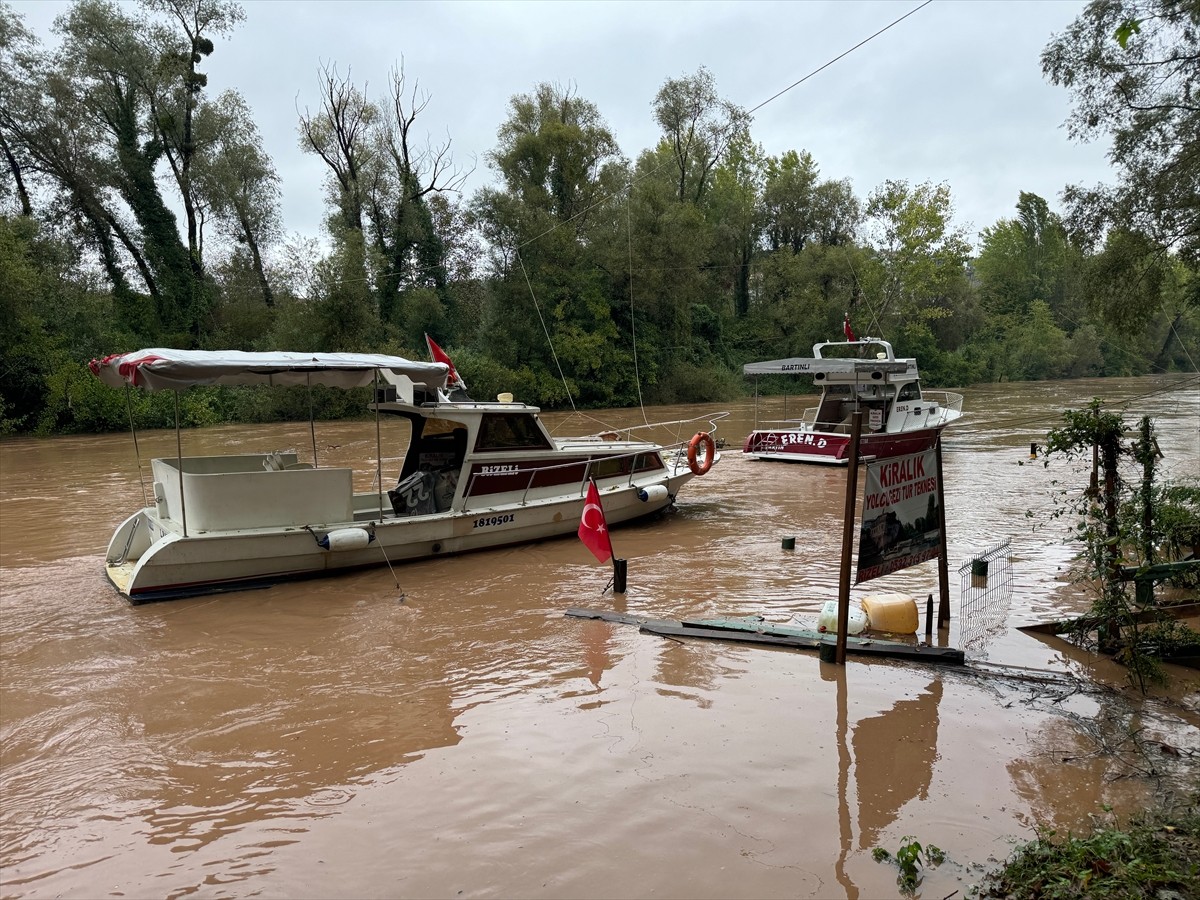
(331, 739)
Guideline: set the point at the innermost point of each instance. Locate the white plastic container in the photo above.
(828, 620)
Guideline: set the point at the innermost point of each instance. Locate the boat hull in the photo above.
(811, 446)
(150, 559)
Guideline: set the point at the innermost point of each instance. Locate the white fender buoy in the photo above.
(346, 539)
(653, 492)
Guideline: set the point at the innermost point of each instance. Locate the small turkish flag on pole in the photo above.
(845, 327)
(593, 530)
(439, 355)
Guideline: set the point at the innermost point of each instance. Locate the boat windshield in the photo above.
(510, 431)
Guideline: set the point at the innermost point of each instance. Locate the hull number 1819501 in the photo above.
(488, 521)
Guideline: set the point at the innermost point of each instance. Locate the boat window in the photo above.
(442, 426)
(609, 468)
(910, 391)
(510, 431)
(436, 445)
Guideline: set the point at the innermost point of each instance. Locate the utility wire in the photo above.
(776, 96)
(836, 58)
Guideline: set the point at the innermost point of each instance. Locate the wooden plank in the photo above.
(1174, 611)
(1159, 571)
(881, 649)
(756, 631)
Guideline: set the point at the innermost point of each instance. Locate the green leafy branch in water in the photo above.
(909, 860)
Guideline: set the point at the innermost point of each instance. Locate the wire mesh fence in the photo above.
(985, 593)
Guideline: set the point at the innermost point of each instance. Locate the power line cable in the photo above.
(841, 56)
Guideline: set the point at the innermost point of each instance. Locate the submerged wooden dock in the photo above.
(755, 630)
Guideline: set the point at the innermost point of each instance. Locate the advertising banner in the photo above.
(899, 515)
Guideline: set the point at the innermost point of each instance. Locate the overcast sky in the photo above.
(954, 93)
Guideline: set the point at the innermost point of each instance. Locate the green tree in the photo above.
(57, 148)
(734, 206)
(380, 184)
(236, 182)
(921, 258)
(699, 127)
(135, 79)
(788, 200)
(175, 88)
(1132, 68)
(557, 161)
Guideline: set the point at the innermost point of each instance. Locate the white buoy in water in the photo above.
(346, 539)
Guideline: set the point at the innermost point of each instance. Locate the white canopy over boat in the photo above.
(163, 369)
(807, 365)
(882, 362)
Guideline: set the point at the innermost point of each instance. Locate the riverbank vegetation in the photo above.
(1139, 537)
(1155, 855)
(139, 210)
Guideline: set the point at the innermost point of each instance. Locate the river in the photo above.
(458, 736)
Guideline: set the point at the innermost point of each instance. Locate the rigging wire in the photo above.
(537, 306)
(637, 377)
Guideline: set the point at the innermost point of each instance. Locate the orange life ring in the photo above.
(710, 449)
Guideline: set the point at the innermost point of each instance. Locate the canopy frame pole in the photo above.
(137, 453)
(378, 445)
(179, 465)
(312, 422)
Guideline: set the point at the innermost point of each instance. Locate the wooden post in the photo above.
(943, 567)
(848, 537)
(1094, 486)
(620, 574)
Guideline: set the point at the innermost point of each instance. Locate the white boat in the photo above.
(898, 416)
(474, 475)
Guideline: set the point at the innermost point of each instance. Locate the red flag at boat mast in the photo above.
(847, 329)
(439, 355)
(593, 530)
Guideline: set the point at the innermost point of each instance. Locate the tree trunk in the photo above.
(248, 233)
(22, 193)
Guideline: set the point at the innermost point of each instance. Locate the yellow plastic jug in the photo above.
(896, 613)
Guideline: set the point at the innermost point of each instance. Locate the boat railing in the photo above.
(680, 434)
(945, 399)
(674, 457)
(948, 405)
(807, 419)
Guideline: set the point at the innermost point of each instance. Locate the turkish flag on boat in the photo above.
(845, 327)
(439, 355)
(593, 530)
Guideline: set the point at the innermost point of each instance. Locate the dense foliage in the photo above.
(138, 210)
(1156, 855)
(1129, 520)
